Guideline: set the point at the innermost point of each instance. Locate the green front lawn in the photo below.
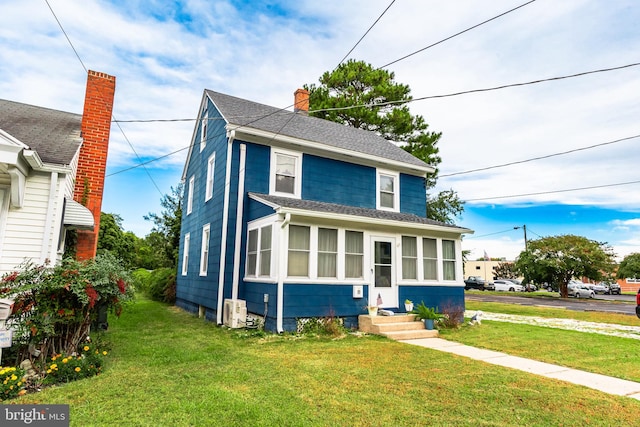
(168, 368)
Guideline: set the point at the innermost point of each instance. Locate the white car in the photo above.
(580, 291)
(506, 285)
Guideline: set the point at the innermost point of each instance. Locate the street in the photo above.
(623, 304)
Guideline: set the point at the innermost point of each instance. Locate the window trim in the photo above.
(190, 189)
(396, 190)
(444, 260)
(297, 184)
(203, 129)
(211, 165)
(204, 250)
(185, 254)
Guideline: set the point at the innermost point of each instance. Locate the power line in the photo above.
(490, 234)
(382, 104)
(112, 116)
(539, 158)
(554, 191)
(455, 35)
(365, 34)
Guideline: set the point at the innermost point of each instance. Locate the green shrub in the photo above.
(140, 278)
(162, 284)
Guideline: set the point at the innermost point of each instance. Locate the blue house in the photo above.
(287, 217)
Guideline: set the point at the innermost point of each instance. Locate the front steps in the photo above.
(398, 327)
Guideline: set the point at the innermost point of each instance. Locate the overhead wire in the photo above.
(104, 101)
(456, 34)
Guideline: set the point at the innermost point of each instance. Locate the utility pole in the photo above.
(524, 228)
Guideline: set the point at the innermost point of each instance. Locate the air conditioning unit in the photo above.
(235, 313)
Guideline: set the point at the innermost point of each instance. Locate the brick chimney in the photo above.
(92, 163)
(301, 101)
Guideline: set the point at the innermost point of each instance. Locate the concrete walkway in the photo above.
(596, 381)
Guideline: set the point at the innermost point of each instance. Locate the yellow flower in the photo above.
(22, 392)
(48, 371)
(104, 353)
(77, 369)
(13, 378)
(65, 360)
(86, 348)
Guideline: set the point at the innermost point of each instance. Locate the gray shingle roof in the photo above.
(310, 205)
(239, 111)
(53, 134)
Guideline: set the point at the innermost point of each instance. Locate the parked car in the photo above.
(506, 285)
(529, 287)
(474, 282)
(601, 288)
(614, 288)
(580, 291)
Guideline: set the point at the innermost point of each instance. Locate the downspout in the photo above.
(281, 271)
(236, 255)
(225, 221)
(46, 239)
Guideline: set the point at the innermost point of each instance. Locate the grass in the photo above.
(167, 367)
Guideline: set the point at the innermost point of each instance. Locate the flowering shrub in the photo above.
(11, 382)
(87, 362)
(55, 306)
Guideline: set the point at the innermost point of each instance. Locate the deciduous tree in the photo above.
(558, 259)
(630, 267)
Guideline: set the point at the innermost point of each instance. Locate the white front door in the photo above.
(384, 291)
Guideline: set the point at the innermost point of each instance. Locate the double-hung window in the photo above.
(449, 259)
(203, 130)
(259, 251)
(327, 252)
(286, 173)
(388, 196)
(353, 254)
(185, 254)
(299, 249)
(211, 163)
(409, 258)
(265, 250)
(429, 259)
(190, 189)
(204, 254)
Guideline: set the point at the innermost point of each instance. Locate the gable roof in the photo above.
(249, 115)
(365, 214)
(54, 135)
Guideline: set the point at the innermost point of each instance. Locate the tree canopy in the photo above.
(558, 259)
(630, 267)
(165, 235)
(357, 95)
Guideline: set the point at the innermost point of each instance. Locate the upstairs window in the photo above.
(192, 181)
(211, 163)
(387, 197)
(203, 130)
(286, 171)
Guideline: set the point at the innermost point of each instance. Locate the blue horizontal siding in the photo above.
(413, 195)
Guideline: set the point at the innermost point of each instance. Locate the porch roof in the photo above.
(354, 213)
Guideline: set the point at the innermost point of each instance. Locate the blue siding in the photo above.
(333, 181)
(413, 195)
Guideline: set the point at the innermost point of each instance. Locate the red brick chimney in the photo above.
(92, 164)
(301, 101)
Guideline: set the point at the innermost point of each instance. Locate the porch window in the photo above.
(265, 251)
(430, 259)
(204, 255)
(387, 186)
(286, 171)
(449, 259)
(210, 174)
(354, 253)
(409, 258)
(192, 181)
(185, 254)
(299, 247)
(327, 252)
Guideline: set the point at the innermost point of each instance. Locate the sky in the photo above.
(559, 156)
